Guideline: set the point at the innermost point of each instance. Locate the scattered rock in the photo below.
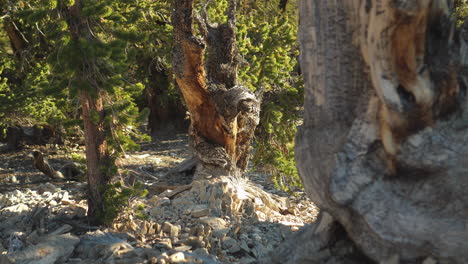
(183, 248)
(207, 221)
(200, 211)
(101, 245)
(177, 257)
(62, 230)
(170, 229)
(163, 201)
(56, 248)
(231, 245)
(194, 242)
(215, 223)
(163, 244)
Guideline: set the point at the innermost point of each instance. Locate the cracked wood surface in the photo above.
(223, 114)
(383, 148)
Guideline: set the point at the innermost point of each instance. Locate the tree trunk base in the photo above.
(324, 241)
(232, 196)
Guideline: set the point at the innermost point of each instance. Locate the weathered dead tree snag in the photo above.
(223, 113)
(384, 146)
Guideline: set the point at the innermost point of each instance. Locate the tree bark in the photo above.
(17, 41)
(97, 155)
(383, 149)
(98, 160)
(223, 113)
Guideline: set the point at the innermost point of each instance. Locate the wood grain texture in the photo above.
(223, 113)
(383, 149)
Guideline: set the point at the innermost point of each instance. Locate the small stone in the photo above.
(63, 196)
(164, 244)
(54, 249)
(202, 252)
(153, 201)
(18, 208)
(234, 249)
(164, 201)
(13, 179)
(62, 230)
(200, 210)
(221, 233)
(177, 257)
(243, 245)
(165, 194)
(256, 237)
(156, 211)
(157, 227)
(214, 222)
(170, 229)
(231, 245)
(53, 203)
(163, 258)
(183, 248)
(200, 213)
(194, 242)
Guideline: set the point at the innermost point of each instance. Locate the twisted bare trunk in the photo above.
(223, 113)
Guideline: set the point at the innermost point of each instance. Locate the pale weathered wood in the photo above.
(383, 150)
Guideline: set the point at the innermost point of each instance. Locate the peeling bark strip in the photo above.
(223, 114)
(384, 146)
(394, 39)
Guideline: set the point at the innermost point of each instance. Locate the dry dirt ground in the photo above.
(221, 220)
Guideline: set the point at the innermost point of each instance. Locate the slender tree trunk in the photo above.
(223, 113)
(97, 156)
(383, 149)
(98, 161)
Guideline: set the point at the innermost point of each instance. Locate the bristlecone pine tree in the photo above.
(384, 146)
(223, 113)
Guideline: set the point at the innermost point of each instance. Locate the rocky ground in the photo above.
(224, 220)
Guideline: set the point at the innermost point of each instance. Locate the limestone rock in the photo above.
(96, 245)
(170, 229)
(55, 248)
(177, 257)
(200, 211)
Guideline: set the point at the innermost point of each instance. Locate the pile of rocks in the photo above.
(231, 219)
(226, 220)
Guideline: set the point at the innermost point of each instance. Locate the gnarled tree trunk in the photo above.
(223, 113)
(383, 150)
